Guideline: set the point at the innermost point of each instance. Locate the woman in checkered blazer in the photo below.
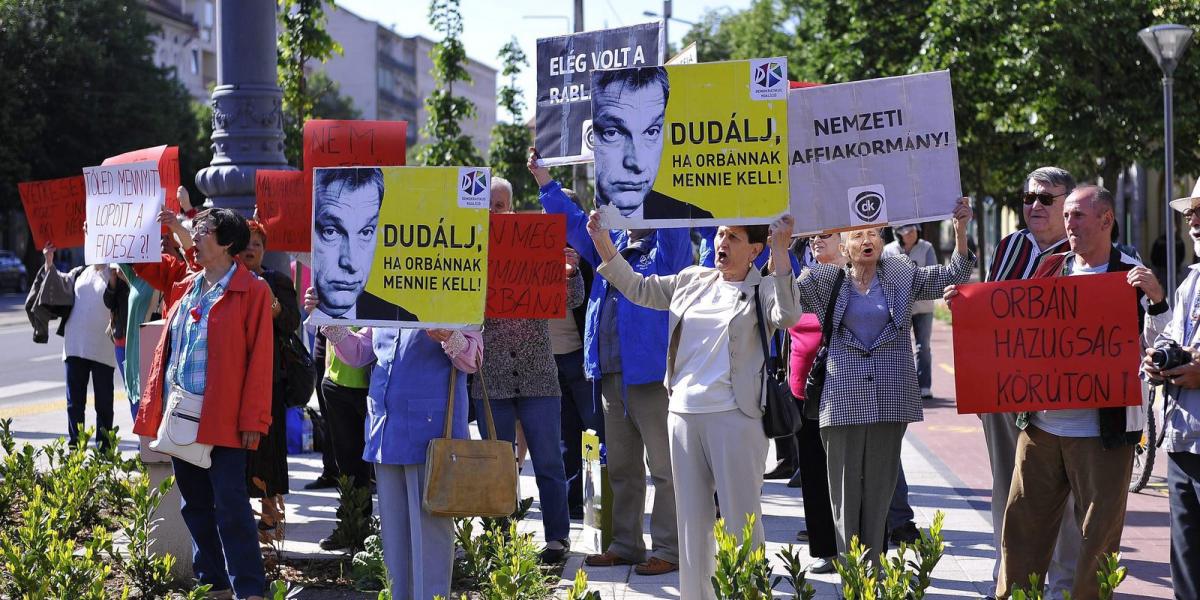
(871, 394)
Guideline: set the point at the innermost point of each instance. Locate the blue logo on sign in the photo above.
(768, 74)
(473, 183)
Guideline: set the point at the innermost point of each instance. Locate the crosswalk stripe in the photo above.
(29, 387)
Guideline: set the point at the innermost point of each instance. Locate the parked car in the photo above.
(12, 272)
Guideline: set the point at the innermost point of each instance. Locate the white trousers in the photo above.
(720, 452)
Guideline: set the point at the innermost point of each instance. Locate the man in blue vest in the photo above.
(625, 350)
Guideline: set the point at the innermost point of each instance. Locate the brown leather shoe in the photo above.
(655, 566)
(607, 559)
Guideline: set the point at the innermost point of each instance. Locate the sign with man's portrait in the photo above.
(691, 145)
(400, 246)
(874, 152)
(565, 63)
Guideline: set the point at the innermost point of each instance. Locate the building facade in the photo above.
(186, 42)
(389, 76)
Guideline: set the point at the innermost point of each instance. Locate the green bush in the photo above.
(796, 576)
(150, 574)
(743, 572)
(901, 577)
(518, 574)
(368, 569)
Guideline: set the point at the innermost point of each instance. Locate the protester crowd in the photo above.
(661, 354)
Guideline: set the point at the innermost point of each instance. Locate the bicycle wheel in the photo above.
(1143, 455)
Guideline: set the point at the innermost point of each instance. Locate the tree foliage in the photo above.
(302, 38)
(510, 141)
(447, 145)
(1036, 82)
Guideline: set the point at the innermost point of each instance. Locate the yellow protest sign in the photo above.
(400, 246)
(693, 144)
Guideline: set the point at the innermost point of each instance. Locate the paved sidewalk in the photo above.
(944, 459)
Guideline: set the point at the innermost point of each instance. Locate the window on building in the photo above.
(195, 61)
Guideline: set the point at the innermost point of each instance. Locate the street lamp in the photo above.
(1167, 43)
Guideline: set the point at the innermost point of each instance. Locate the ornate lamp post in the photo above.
(247, 105)
(1168, 43)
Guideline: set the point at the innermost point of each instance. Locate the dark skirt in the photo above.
(269, 462)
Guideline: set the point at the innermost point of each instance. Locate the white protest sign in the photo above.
(687, 56)
(123, 202)
(870, 153)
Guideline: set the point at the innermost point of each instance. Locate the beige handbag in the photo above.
(180, 424)
(470, 478)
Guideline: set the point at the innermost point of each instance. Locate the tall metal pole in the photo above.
(579, 172)
(666, 22)
(247, 105)
(1168, 83)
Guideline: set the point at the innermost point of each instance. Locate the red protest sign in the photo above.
(282, 203)
(329, 143)
(527, 278)
(55, 209)
(167, 158)
(1047, 344)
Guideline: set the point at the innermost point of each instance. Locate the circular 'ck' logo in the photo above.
(867, 205)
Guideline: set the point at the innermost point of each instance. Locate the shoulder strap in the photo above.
(762, 325)
(827, 325)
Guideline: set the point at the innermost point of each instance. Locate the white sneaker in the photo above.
(821, 566)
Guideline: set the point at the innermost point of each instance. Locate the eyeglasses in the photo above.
(1189, 213)
(201, 231)
(1045, 199)
(822, 236)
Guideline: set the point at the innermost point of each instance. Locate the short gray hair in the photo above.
(502, 183)
(1051, 177)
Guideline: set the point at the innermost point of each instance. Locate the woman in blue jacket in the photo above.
(406, 408)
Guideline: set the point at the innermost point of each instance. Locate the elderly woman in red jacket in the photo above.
(226, 308)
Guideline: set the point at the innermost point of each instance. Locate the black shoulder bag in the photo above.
(781, 416)
(815, 383)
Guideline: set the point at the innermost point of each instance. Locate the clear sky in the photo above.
(489, 24)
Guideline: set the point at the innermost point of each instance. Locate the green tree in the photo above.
(302, 38)
(510, 141)
(448, 145)
(80, 85)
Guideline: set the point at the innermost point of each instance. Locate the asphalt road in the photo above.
(32, 377)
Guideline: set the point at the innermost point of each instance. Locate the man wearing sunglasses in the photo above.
(1017, 256)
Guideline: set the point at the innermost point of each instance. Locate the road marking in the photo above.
(27, 409)
(29, 387)
(947, 368)
(46, 358)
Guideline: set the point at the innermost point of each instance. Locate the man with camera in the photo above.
(1087, 453)
(1174, 361)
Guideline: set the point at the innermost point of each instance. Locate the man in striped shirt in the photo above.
(1017, 256)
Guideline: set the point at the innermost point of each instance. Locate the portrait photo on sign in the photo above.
(400, 246)
(691, 145)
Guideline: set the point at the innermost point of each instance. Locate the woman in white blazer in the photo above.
(715, 378)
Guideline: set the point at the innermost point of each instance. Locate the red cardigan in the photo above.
(163, 275)
(240, 355)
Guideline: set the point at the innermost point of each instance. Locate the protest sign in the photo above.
(526, 269)
(1046, 344)
(283, 209)
(563, 115)
(400, 246)
(123, 202)
(55, 210)
(167, 160)
(870, 153)
(330, 143)
(687, 56)
(688, 145)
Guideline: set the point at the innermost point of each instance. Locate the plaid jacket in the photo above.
(876, 384)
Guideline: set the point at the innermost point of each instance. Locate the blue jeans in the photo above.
(216, 509)
(79, 370)
(539, 418)
(580, 410)
(922, 326)
(1183, 481)
(900, 512)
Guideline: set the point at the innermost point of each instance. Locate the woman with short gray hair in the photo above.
(870, 394)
